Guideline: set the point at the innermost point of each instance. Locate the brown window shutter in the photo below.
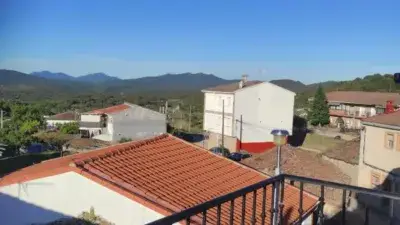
(398, 143)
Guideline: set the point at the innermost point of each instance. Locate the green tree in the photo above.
(69, 128)
(124, 139)
(319, 114)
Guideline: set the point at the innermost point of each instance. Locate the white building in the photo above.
(122, 121)
(62, 118)
(261, 106)
(134, 183)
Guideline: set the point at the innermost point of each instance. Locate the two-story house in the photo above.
(249, 111)
(352, 106)
(122, 121)
(379, 158)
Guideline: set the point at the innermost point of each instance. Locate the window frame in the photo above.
(375, 175)
(387, 140)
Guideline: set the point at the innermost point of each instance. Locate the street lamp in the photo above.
(279, 140)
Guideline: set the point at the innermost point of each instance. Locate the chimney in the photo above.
(389, 107)
(243, 81)
(244, 78)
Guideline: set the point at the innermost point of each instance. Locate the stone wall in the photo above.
(349, 169)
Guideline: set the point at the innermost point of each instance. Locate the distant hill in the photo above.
(14, 84)
(53, 76)
(89, 78)
(183, 81)
(295, 86)
(39, 85)
(96, 78)
(168, 82)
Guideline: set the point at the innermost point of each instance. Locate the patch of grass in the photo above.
(320, 142)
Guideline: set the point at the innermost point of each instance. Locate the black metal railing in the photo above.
(250, 205)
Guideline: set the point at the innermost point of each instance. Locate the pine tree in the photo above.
(319, 114)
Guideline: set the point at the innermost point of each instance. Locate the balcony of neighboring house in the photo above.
(89, 129)
(267, 207)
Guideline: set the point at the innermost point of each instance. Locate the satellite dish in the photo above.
(396, 78)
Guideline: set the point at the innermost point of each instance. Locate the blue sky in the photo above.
(307, 40)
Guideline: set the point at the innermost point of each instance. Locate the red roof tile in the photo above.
(392, 119)
(363, 97)
(110, 110)
(232, 86)
(65, 116)
(170, 174)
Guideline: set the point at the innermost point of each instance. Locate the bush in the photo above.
(125, 139)
(86, 218)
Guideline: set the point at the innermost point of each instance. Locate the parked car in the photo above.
(220, 151)
(239, 156)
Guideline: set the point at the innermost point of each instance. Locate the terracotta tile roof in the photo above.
(232, 87)
(302, 163)
(348, 151)
(65, 116)
(86, 144)
(392, 119)
(341, 113)
(363, 98)
(110, 110)
(169, 174)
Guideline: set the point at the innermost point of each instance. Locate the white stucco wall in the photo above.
(69, 194)
(213, 102)
(213, 123)
(54, 122)
(264, 107)
(90, 118)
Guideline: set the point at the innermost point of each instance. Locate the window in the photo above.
(375, 179)
(380, 110)
(389, 140)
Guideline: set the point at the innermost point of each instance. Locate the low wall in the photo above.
(349, 169)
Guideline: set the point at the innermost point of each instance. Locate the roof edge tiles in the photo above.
(231, 87)
(140, 169)
(110, 110)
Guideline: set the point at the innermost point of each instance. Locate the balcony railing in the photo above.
(364, 214)
(92, 124)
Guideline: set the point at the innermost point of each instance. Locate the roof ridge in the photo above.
(113, 149)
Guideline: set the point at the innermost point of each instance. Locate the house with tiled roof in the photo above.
(122, 121)
(62, 118)
(352, 106)
(139, 182)
(245, 113)
(379, 154)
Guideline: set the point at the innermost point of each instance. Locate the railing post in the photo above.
(264, 196)
(276, 203)
(254, 208)
(344, 207)
(301, 210)
(281, 204)
(321, 205)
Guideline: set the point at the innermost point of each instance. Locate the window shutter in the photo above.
(386, 141)
(398, 143)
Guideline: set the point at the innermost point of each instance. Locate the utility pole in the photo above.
(190, 117)
(181, 120)
(241, 130)
(1, 118)
(223, 122)
(166, 107)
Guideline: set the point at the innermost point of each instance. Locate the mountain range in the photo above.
(91, 78)
(46, 84)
